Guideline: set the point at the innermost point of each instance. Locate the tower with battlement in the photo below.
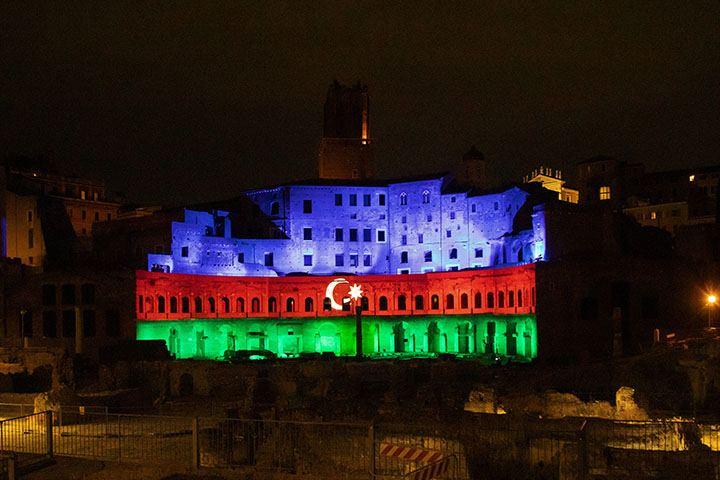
(345, 151)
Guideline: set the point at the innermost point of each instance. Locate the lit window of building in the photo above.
(692, 178)
(605, 192)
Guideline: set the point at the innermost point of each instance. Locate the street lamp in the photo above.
(711, 302)
(356, 295)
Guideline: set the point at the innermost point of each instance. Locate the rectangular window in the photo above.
(428, 256)
(67, 294)
(478, 253)
(97, 216)
(381, 236)
(429, 218)
(307, 206)
(403, 240)
(381, 199)
(403, 257)
(108, 216)
(403, 219)
(366, 200)
(268, 259)
(48, 295)
(454, 268)
(353, 235)
(473, 208)
(452, 215)
(307, 233)
(30, 216)
(82, 194)
(31, 238)
(338, 199)
(184, 252)
(49, 324)
(338, 234)
(452, 199)
(367, 235)
(448, 233)
(68, 323)
(83, 214)
(605, 192)
(307, 260)
(353, 199)
(367, 260)
(87, 293)
(353, 259)
(241, 257)
(496, 206)
(339, 260)
(420, 238)
(404, 271)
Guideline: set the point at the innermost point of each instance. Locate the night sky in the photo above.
(173, 102)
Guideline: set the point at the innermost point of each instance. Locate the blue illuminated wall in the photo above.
(400, 227)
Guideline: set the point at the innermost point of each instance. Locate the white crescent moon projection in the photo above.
(330, 292)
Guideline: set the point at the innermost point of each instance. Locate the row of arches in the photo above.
(510, 298)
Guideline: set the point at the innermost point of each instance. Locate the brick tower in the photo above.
(345, 149)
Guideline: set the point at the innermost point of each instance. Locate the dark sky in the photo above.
(178, 102)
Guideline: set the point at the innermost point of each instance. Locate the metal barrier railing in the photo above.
(481, 446)
(340, 450)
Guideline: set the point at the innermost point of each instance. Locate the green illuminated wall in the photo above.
(472, 335)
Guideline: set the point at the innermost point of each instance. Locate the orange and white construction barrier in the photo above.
(437, 463)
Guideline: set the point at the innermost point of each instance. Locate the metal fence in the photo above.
(148, 439)
(340, 450)
(25, 442)
(478, 446)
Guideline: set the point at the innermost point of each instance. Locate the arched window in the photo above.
(434, 302)
(272, 305)
(240, 302)
(383, 304)
(141, 304)
(426, 196)
(450, 301)
(211, 304)
(403, 198)
(185, 305)
(490, 300)
(225, 304)
(453, 253)
(173, 304)
(161, 304)
(519, 298)
(327, 304)
(501, 299)
(149, 305)
(365, 304)
(309, 304)
(274, 208)
(478, 300)
(464, 300)
(511, 298)
(198, 305)
(290, 304)
(419, 303)
(255, 305)
(402, 302)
